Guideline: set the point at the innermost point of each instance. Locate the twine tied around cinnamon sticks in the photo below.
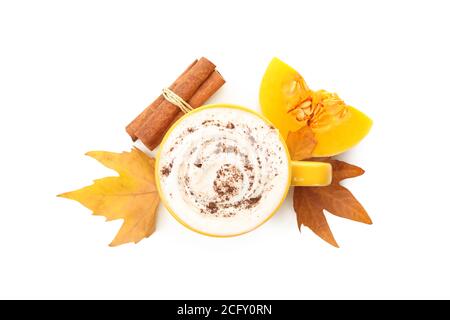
(189, 91)
(175, 99)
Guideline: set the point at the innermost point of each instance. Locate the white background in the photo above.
(74, 73)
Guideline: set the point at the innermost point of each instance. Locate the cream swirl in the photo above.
(223, 163)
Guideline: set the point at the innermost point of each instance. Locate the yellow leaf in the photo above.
(131, 196)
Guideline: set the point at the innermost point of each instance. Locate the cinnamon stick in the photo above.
(144, 115)
(206, 90)
(157, 123)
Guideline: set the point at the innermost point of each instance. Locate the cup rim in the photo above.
(199, 109)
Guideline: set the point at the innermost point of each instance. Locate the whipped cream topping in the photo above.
(223, 171)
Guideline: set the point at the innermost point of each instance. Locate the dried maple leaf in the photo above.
(131, 196)
(309, 202)
(301, 143)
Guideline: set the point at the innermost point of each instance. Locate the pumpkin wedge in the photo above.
(290, 104)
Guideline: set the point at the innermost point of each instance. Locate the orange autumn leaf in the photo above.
(301, 143)
(131, 196)
(310, 213)
(309, 202)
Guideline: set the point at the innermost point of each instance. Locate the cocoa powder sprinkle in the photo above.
(165, 171)
(212, 207)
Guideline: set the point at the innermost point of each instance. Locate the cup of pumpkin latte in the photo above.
(223, 170)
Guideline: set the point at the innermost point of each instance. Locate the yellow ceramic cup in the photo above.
(301, 173)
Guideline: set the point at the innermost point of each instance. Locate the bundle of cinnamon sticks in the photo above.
(195, 85)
